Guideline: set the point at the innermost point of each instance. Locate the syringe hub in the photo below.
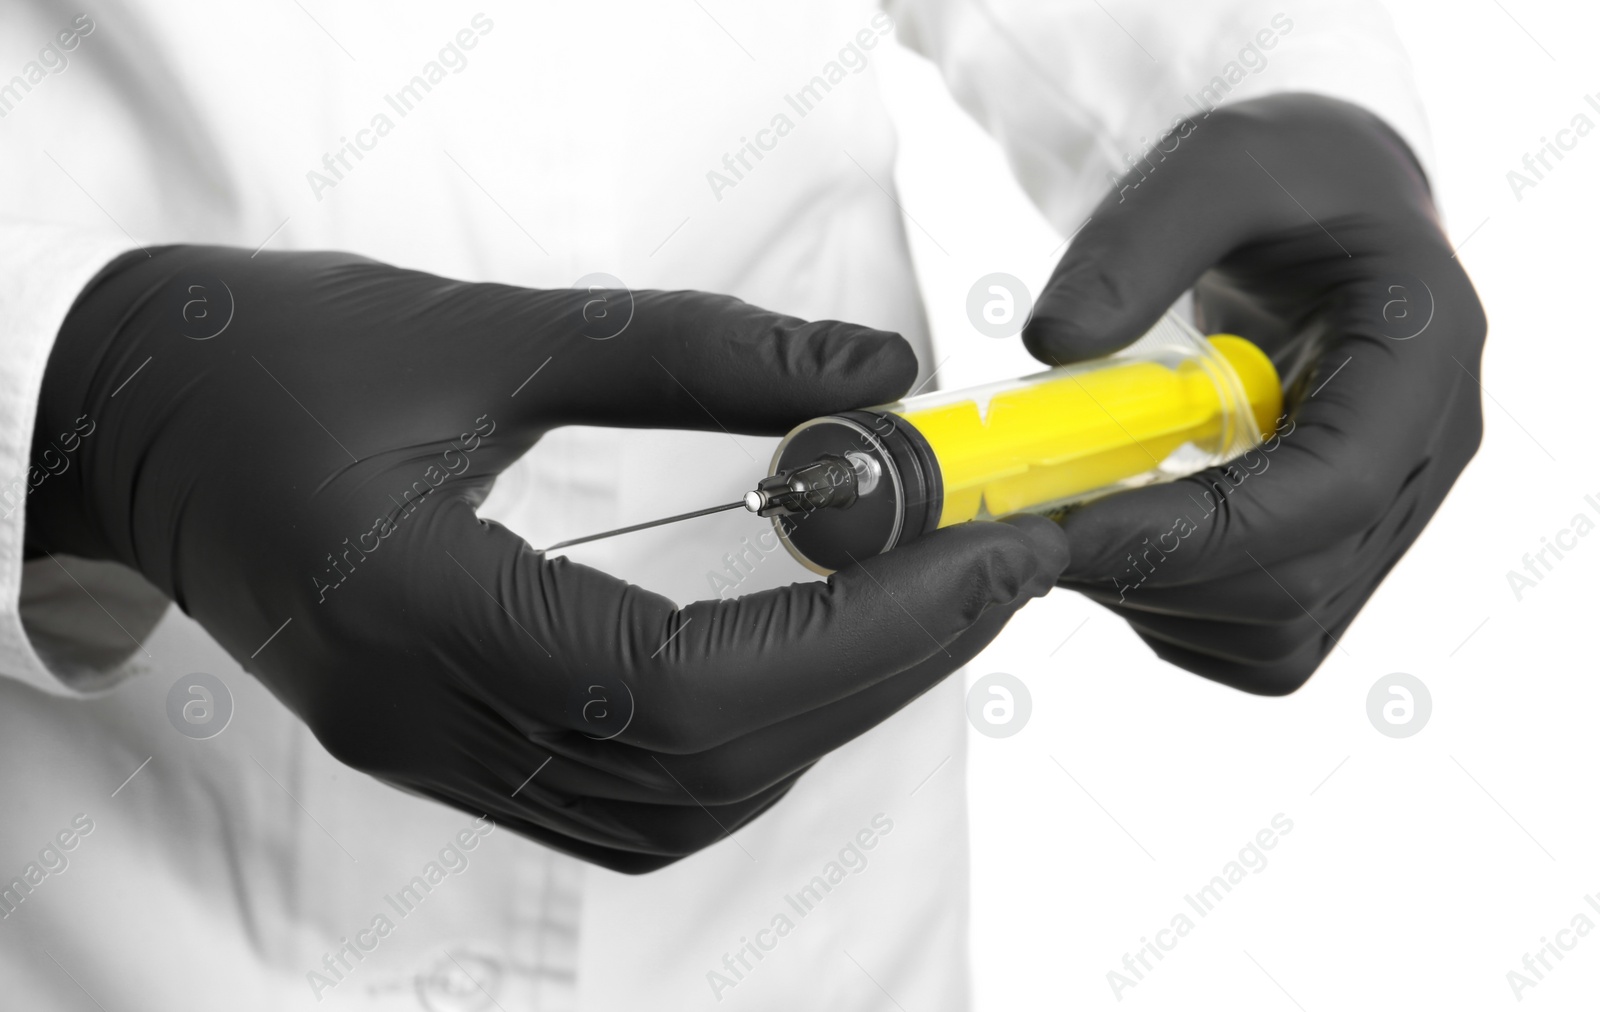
(830, 481)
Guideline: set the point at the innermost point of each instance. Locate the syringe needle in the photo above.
(653, 523)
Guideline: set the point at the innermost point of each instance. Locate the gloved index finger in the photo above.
(695, 360)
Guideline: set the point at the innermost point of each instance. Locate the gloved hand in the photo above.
(303, 438)
(1306, 225)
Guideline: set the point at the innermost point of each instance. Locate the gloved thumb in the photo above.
(705, 674)
(1161, 226)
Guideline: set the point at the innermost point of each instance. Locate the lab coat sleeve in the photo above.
(67, 625)
(1075, 91)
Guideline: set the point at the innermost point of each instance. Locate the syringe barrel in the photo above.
(1167, 405)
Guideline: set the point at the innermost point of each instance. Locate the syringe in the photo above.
(1167, 405)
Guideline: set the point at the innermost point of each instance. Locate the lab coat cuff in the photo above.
(43, 268)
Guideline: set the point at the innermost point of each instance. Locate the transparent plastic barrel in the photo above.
(1170, 404)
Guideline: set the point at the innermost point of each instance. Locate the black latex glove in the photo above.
(320, 460)
(1304, 224)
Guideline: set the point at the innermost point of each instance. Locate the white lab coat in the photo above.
(566, 140)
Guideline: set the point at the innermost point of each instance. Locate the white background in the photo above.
(1419, 870)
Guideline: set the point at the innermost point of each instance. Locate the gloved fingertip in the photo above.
(1067, 327)
(889, 355)
(1108, 530)
(1049, 545)
(878, 365)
